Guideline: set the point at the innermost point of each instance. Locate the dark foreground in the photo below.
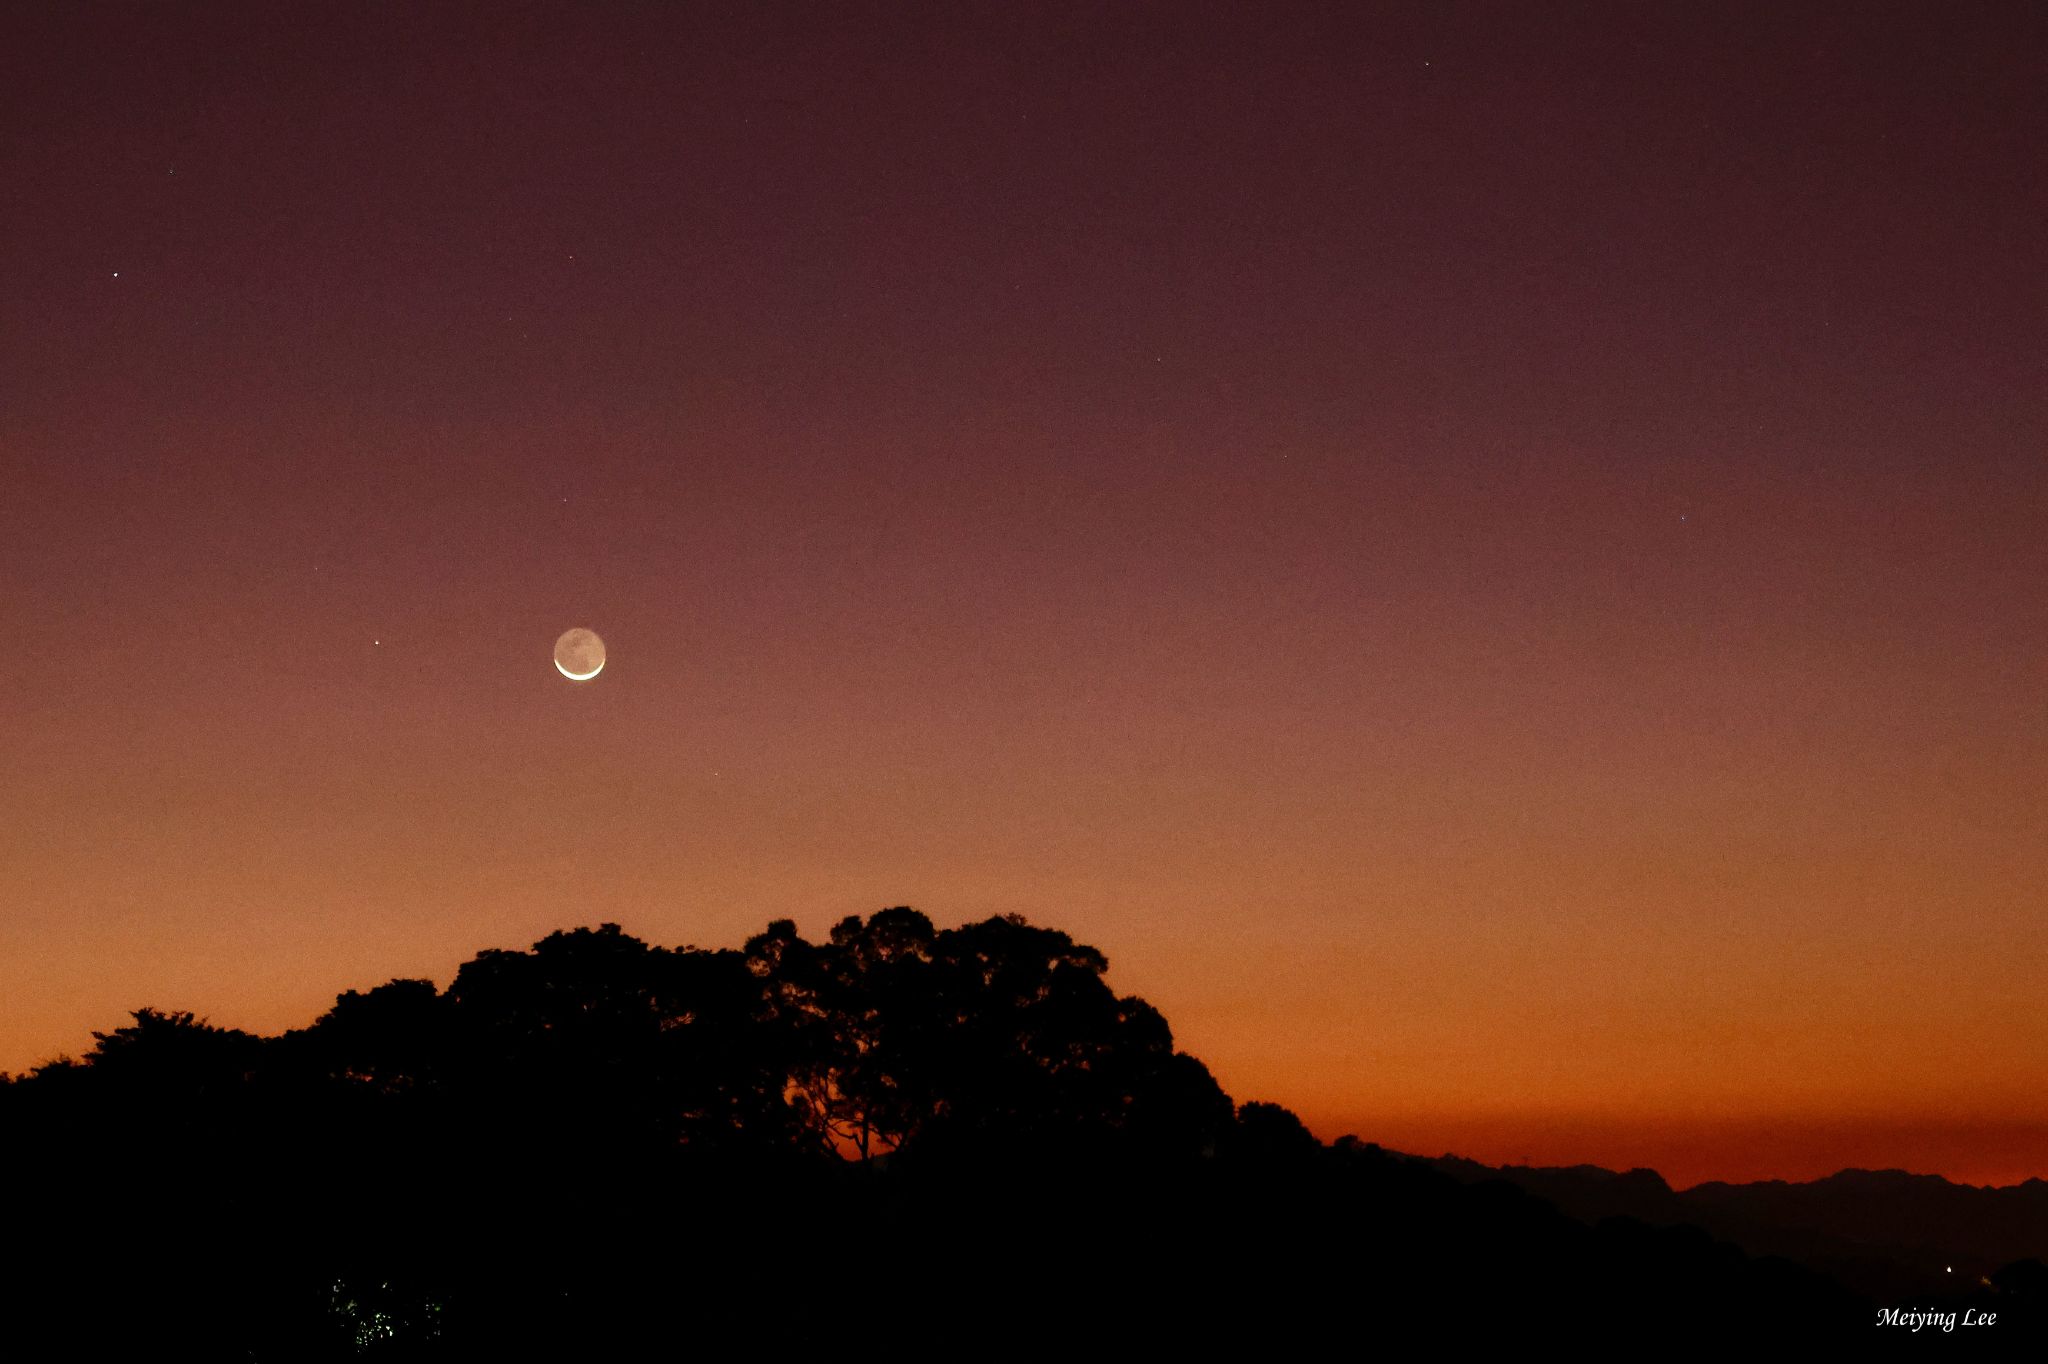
(598, 1148)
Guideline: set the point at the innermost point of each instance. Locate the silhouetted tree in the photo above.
(2023, 1279)
(1268, 1132)
(955, 1134)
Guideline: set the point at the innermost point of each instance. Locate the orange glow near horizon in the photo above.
(1502, 587)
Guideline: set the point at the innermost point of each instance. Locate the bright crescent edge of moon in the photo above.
(578, 677)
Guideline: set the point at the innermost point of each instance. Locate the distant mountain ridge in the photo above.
(1885, 1232)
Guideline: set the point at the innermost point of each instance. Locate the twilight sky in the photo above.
(1491, 556)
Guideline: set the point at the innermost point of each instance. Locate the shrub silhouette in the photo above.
(957, 1139)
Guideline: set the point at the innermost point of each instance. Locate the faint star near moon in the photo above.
(579, 654)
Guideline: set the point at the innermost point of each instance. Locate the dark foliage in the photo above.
(910, 1139)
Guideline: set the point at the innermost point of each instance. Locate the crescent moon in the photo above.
(579, 654)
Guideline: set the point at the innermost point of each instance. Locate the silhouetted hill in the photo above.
(1885, 1232)
(906, 1139)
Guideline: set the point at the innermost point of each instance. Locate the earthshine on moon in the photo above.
(579, 653)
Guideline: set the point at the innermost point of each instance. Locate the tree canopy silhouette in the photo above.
(965, 1130)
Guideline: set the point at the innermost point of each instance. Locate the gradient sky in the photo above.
(1491, 556)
